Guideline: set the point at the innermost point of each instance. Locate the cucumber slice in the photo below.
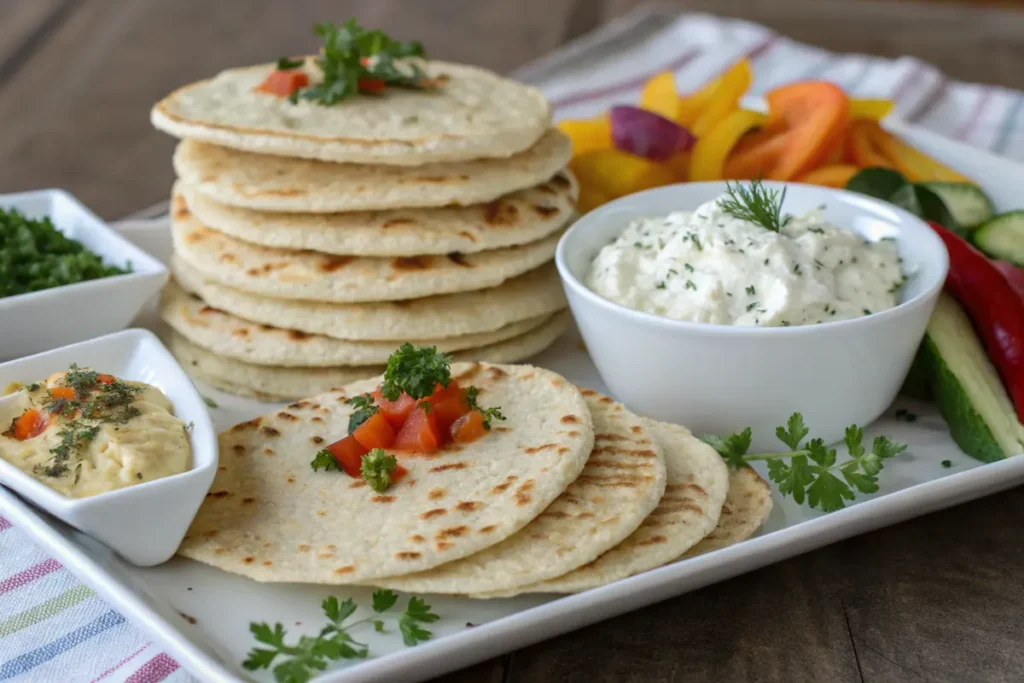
(969, 205)
(1003, 237)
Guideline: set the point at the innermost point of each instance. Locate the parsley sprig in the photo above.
(757, 204)
(325, 461)
(313, 653)
(813, 473)
(493, 413)
(365, 409)
(415, 370)
(376, 469)
(351, 53)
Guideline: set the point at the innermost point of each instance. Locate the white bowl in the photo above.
(144, 523)
(50, 318)
(717, 379)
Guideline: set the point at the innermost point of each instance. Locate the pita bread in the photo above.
(622, 482)
(746, 508)
(474, 114)
(524, 216)
(278, 383)
(533, 294)
(310, 276)
(228, 335)
(270, 517)
(268, 183)
(696, 488)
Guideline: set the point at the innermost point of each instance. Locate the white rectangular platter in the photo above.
(202, 615)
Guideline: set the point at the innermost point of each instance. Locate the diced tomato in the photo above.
(375, 433)
(63, 392)
(419, 433)
(372, 85)
(395, 412)
(31, 423)
(283, 83)
(447, 405)
(469, 427)
(105, 379)
(349, 454)
(398, 473)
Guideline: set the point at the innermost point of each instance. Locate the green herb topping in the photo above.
(416, 371)
(488, 413)
(365, 409)
(324, 460)
(756, 204)
(377, 468)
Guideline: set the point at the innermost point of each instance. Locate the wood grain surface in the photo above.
(935, 599)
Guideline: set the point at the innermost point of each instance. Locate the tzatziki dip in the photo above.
(714, 266)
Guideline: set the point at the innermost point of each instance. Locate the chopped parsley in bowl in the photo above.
(34, 255)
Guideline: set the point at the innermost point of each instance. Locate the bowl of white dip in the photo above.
(697, 314)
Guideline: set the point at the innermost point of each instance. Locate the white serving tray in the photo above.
(201, 615)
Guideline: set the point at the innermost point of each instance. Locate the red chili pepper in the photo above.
(993, 305)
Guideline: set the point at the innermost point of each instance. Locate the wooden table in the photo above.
(936, 599)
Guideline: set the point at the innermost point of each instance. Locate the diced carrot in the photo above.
(372, 85)
(419, 433)
(105, 379)
(395, 412)
(63, 392)
(283, 83)
(349, 454)
(375, 433)
(31, 423)
(469, 427)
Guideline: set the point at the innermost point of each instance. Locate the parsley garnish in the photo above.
(365, 409)
(751, 291)
(811, 472)
(755, 204)
(324, 459)
(311, 654)
(488, 413)
(947, 463)
(415, 371)
(376, 469)
(209, 402)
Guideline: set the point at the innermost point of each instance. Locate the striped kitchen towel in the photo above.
(54, 629)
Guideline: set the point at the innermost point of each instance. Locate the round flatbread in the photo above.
(228, 335)
(279, 383)
(696, 486)
(518, 218)
(474, 114)
(309, 276)
(533, 294)
(268, 183)
(621, 484)
(270, 517)
(746, 508)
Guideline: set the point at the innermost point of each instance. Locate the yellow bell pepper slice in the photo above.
(726, 98)
(691, 106)
(707, 158)
(616, 173)
(873, 110)
(588, 134)
(914, 165)
(659, 96)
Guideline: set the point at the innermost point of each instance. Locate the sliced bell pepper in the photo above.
(617, 173)
(861, 146)
(349, 454)
(395, 412)
(830, 176)
(588, 134)
(707, 160)
(816, 113)
(725, 99)
(66, 393)
(659, 96)
(283, 83)
(914, 165)
(469, 427)
(755, 154)
(419, 433)
(376, 432)
(693, 105)
(873, 110)
(29, 424)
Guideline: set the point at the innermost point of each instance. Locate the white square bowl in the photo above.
(50, 318)
(144, 523)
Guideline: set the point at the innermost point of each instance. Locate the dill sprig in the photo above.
(757, 204)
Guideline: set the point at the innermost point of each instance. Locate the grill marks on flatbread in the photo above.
(307, 275)
(524, 216)
(621, 483)
(270, 517)
(746, 509)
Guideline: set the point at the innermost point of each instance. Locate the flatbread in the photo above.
(524, 216)
(536, 293)
(270, 517)
(235, 337)
(746, 508)
(265, 382)
(475, 114)
(698, 480)
(309, 276)
(622, 482)
(269, 183)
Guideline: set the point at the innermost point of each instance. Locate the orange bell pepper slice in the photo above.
(283, 83)
(469, 427)
(726, 98)
(914, 165)
(861, 146)
(29, 424)
(659, 96)
(588, 134)
(830, 176)
(707, 159)
(376, 432)
(616, 173)
(872, 110)
(349, 454)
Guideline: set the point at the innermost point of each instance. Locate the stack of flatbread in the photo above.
(570, 492)
(310, 240)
